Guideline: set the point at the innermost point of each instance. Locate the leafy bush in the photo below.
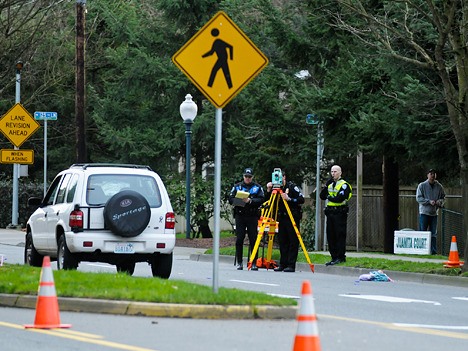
(26, 189)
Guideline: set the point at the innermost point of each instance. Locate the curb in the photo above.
(148, 309)
(356, 272)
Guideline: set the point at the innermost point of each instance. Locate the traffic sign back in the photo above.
(18, 125)
(220, 60)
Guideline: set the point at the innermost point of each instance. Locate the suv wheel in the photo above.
(65, 259)
(127, 213)
(126, 267)
(161, 265)
(31, 256)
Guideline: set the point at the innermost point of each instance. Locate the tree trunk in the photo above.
(390, 201)
(203, 223)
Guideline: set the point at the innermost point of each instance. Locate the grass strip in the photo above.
(370, 263)
(20, 279)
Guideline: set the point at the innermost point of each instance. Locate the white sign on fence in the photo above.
(412, 242)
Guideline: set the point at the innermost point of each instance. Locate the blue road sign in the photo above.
(47, 116)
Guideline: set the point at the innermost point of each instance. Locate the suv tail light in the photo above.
(76, 219)
(170, 220)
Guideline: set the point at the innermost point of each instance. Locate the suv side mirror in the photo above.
(34, 201)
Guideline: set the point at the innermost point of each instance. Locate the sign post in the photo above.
(45, 116)
(220, 60)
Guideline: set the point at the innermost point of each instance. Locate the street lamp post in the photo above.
(315, 120)
(188, 112)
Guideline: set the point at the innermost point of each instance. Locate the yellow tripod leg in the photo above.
(257, 243)
(271, 237)
(261, 230)
(312, 268)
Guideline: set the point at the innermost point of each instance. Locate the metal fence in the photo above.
(452, 225)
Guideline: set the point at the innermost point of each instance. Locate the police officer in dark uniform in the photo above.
(246, 214)
(337, 192)
(287, 237)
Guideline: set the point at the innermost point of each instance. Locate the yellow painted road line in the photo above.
(84, 337)
(401, 328)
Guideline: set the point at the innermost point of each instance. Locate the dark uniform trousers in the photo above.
(250, 223)
(337, 218)
(288, 241)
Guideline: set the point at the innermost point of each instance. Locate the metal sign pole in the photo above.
(45, 116)
(14, 200)
(317, 191)
(45, 157)
(217, 197)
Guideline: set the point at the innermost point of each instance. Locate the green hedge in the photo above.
(26, 189)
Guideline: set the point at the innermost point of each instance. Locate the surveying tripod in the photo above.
(268, 219)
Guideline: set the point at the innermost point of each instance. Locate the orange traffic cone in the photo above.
(453, 259)
(47, 309)
(307, 336)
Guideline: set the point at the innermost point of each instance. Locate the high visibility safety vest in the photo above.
(335, 190)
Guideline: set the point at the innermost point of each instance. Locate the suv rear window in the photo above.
(101, 187)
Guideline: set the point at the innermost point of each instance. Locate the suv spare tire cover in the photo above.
(127, 213)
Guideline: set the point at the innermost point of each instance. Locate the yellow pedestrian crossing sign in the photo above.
(220, 60)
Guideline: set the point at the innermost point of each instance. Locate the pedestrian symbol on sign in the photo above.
(220, 48)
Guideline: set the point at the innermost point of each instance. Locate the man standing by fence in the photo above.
(430, 195)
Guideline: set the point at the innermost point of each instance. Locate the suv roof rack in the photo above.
(87, 165)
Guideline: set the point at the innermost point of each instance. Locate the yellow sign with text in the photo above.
(220, 60)
(23, 157)
(18, 125)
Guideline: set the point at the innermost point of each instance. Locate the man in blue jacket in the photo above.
(246, 214)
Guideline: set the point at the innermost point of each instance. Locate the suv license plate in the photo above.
(124, 248)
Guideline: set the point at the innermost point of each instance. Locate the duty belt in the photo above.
(337, 207)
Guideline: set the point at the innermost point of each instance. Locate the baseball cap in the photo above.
(432, 170)
(248, 172)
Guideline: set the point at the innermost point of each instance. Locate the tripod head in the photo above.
(277, 178)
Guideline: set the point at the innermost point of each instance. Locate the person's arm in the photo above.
(295, 194)
(324, 192)
(441, 199)
(420, 198)
(268, 191)
(232, 195)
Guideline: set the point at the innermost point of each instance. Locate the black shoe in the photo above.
(337, 261)
(330, 263)
(239, 267)
(254, 267)
(289, 269)
(279, 269)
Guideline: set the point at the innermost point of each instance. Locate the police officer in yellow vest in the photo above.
(337, 193)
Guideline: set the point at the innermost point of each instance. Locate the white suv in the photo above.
(119, 214)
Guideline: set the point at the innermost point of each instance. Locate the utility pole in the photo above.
(81, 155)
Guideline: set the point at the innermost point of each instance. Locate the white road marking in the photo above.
(388, 299)
(460, 298)
(286, 296)
(445, 327)
(100, 265)
(250, 282)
